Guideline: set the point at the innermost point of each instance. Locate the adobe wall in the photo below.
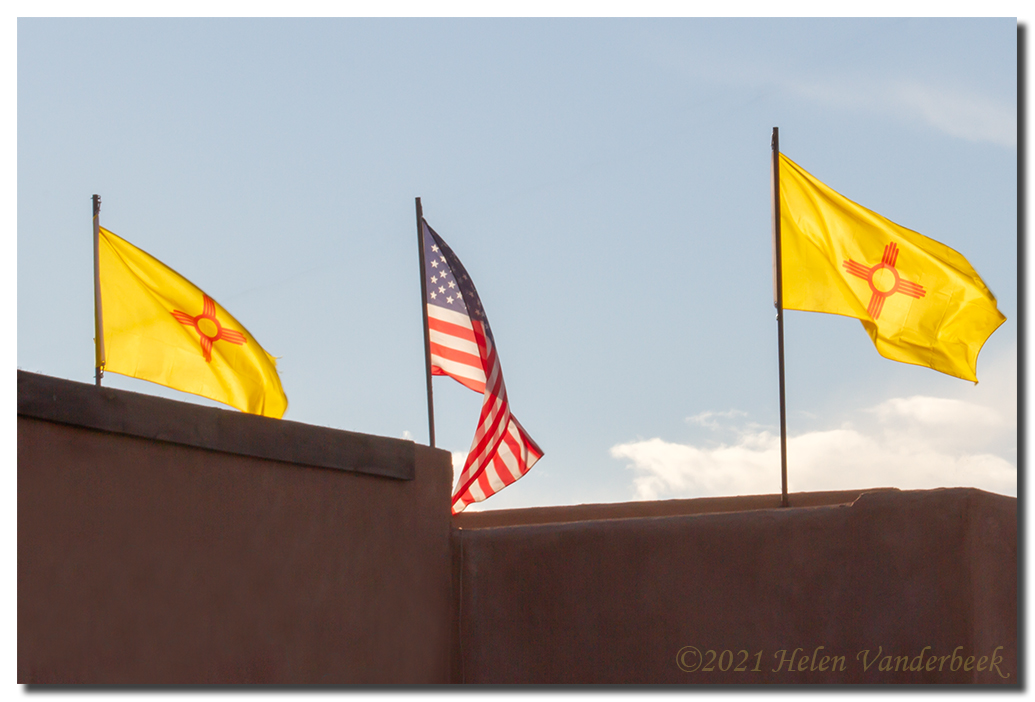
(838, 588)
(162, 542)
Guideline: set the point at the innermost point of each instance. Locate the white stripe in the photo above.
(495, 482)
(526, 443)
(450, 316)
(512, 462)
(498, 407)
(526, 451)
(453, 342)
(451, 367)
(494, 383)
(456, 368)
(491, 448)
(488, 343)
(495, 402)
(478, 460)
(475, 491)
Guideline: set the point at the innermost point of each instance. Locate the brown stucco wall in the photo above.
(149, 561)
(163, 542)
(553, 599)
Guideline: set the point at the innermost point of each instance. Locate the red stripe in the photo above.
(480, 470)
(876, 305)
(499, 469)
(461, 332)
(481, 453)
(490, 418)
(857, 269)
(451, 354)
(182, 317)
(911, 289)
(488, 428)
(533, 447)
(489, 421)
(518, 449)
(497, 431)
(502, 469)
(526, 445)
(483, 483)
(468, 500)
(234, 337)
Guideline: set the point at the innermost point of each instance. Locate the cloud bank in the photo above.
(914, 443)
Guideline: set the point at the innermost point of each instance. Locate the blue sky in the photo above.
(604, 181)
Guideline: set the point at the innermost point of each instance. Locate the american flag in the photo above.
(462, 348)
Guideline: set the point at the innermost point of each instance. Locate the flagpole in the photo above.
(424, 312)
(778, 301)
(98, 317)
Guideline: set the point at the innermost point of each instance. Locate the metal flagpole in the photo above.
(778, 301)
(424, 312)
(98, 318)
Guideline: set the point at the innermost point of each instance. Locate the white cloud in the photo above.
(934, 411)
(705, 419)
(917, 442)
(966, 115)
(680, 470)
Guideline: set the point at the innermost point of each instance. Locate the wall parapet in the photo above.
(734, 590)
(562, 514)
(159, 419)
(161, 542)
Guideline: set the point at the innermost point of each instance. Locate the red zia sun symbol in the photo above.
(208, 327)
(884, 280)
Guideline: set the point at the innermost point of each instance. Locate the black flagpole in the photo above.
(424, 312)
(778, 301)
(98, 320)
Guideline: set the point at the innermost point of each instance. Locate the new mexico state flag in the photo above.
(158, 326)
(919, 300)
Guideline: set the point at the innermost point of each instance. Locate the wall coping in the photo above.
(160, 419)
(562, 514)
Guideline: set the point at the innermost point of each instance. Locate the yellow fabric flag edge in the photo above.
(967, 371)
(150, 334)
(822, 227)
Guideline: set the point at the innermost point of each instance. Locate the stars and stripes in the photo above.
(462, 348)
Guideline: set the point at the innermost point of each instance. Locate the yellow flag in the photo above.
(920, 301)
(158, 326)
